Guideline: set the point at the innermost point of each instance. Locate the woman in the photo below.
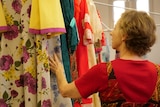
(132, 80)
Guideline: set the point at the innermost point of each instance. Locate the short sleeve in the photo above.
(95, 80)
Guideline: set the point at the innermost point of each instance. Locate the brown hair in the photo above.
(139, 29)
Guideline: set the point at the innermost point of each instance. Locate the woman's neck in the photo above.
(130, 56)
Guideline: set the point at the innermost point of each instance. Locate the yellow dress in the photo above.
(3, 25)
(46, 18)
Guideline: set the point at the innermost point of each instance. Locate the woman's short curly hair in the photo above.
(139, 29)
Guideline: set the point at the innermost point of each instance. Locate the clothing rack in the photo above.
(108, 29)
(105, 4)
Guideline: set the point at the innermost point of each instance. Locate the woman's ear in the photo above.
(124, 37)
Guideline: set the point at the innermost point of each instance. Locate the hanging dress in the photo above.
(46, 20)
(54, 46)
(3, 25)
(25, 79)
(97, 35)
(85, 37)
(69, 40)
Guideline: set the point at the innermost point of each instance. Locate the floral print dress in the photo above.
(25, 78)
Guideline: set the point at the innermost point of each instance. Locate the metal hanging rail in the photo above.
(105, 4)
(110, 5)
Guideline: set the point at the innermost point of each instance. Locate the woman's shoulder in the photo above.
(128, 62)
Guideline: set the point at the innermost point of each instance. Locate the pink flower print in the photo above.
(30, 82)
(25, 55)
(27, 80)
(24, 80)
(14, 93)
(20, 82)
(11, 33)
(32, 86)
(46, 103)
(5, 62)
(29, 11)
(16, 4)
(22, 104)
(43, 83)
(3, 103)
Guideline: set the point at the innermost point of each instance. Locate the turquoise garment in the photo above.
(69, 40)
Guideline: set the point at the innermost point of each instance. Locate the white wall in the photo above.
(154, 55)
(106, 17)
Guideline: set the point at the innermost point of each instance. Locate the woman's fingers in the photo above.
(51, 60)
(55, 57)
(55, 63)
(52, 63)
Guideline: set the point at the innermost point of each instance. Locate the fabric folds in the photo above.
(69, 40)
(46, 18)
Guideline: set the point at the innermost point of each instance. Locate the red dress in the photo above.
(85, 35)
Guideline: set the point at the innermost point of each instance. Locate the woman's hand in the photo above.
(55, 64)
(66, 90)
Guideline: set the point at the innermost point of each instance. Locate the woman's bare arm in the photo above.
(65, 88)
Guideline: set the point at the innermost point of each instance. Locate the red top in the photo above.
(136, 79)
